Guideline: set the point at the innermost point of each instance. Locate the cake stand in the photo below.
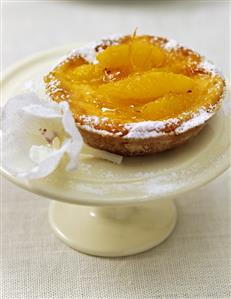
(106, 209)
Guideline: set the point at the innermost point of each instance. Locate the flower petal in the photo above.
(41, 111)
(29, 124)
(45, 167)
(75, 145)
(38, 153)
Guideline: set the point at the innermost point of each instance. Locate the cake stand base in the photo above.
(113, 231)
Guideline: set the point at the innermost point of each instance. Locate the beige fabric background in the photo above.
(195, 261)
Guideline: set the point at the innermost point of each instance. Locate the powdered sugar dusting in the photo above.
(151, 129)
(91, 122)
(91, 128)
(171, 44)
(210, 67)
(204, 64)
(89, 51)
(147, 129)
(198, 119)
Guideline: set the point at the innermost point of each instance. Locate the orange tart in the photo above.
(135, 95)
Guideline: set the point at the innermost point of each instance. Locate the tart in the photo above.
(136, 95)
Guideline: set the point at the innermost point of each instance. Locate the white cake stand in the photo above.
(106, 209)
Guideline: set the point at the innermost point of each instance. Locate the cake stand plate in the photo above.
(106, 209)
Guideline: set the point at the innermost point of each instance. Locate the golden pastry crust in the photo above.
(141, 137)
(137, 146)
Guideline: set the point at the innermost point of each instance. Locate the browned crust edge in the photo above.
(137, 147)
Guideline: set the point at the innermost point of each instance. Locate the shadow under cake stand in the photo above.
(106, 209)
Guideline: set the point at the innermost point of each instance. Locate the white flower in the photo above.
(36, 135)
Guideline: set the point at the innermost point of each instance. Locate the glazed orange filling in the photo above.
(136, 80)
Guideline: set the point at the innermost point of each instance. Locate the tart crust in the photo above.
(136, 139)
(137, 146)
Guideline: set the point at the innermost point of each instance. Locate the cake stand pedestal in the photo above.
(113, 231)
(106, 209)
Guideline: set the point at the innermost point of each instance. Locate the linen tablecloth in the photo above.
(195, 261)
